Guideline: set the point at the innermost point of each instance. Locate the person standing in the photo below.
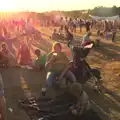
(80, 24)
(69, 35)
(87, 26)
(114, 30)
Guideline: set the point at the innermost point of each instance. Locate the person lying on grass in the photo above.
(41, 59)
(83, 103)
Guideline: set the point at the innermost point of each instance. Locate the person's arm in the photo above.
(66, 62)
(2, 101)
(2, 107)
(50, 59)
(19, 51)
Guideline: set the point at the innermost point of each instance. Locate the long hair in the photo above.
(56, 44)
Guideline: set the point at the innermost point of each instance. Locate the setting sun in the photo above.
(8, 5)
(48, 5)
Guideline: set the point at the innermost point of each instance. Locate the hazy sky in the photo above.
(48, 5)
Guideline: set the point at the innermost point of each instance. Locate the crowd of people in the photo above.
(105, 27)
(56, 61)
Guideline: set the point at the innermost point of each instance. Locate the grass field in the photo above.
(106, 58)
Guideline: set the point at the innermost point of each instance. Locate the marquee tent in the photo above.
(105, 18)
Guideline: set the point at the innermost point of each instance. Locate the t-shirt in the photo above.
(40, 60)
(58, 67)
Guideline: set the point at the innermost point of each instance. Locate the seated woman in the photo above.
(56, 63)
(24, 54)
(83, 103)
(41, 59)
(6, 52)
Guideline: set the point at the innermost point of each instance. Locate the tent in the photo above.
(105, 18)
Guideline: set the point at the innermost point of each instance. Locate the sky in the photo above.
(49, 5)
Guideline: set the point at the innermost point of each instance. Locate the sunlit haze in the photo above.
(48, 5)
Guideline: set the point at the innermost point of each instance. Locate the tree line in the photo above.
(97, 11)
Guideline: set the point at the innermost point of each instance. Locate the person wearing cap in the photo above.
(83, 103)
(2, 100)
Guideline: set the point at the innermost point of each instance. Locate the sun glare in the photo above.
(8, 5)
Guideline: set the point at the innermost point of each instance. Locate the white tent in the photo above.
(105, 18)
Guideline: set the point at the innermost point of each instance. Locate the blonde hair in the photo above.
(56, 44)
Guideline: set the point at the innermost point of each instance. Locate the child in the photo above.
(41, 59)
(83, 103)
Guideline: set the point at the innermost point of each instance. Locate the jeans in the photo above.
(51, 78)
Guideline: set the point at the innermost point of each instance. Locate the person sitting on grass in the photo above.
(86, 38)
(83, 103)
(56, 63)
(3, 60)
(100, 37)
(11, 58)
(55, 35)
(24, 54)
(41, 59)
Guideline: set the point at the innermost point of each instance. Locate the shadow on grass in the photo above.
(108, 52)
(106, 108)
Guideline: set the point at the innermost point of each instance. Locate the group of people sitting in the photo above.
(22, 58)
(57, 63)
(62, 34)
